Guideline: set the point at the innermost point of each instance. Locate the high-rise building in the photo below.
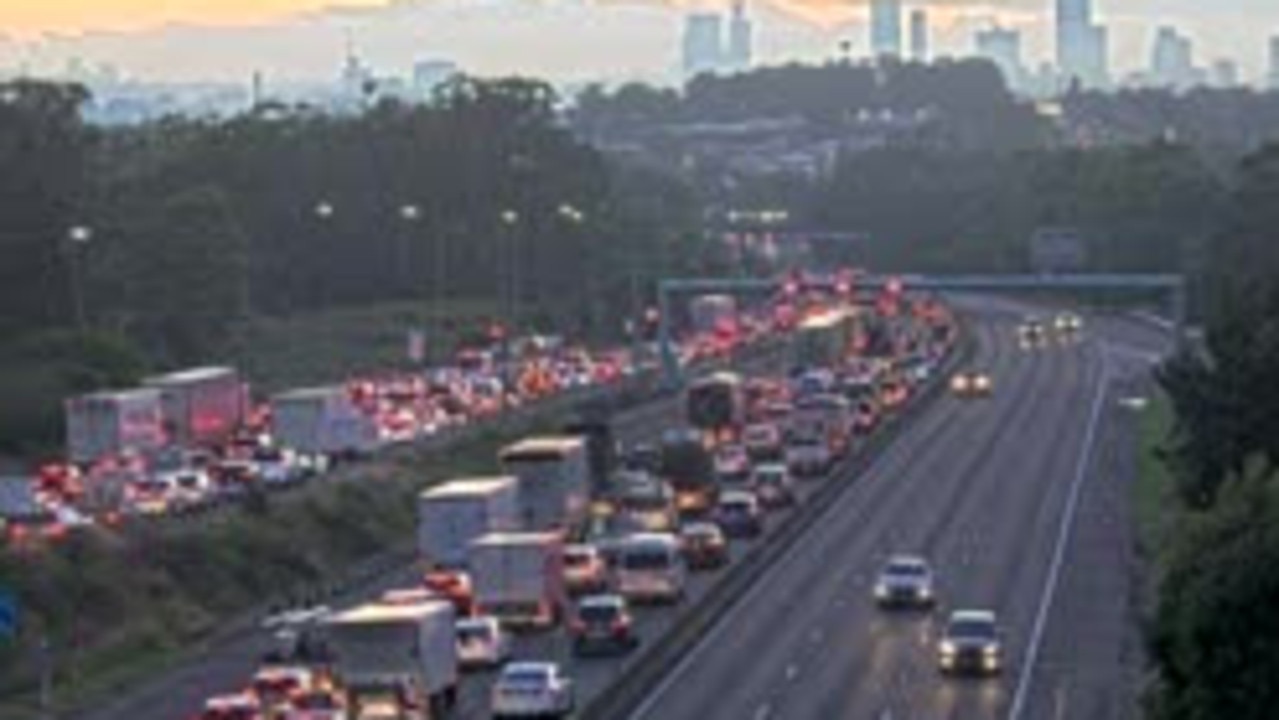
(1003, 47)
(1172, 62)
(886, 28)
(740, 38)
(703, 44)
(1082, 45)
(1225, 73)
(919, 50)
(1274, 63)
(428, 75)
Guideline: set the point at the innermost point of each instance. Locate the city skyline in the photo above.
(609, 40)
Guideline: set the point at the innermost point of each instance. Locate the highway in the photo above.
(1010, 498)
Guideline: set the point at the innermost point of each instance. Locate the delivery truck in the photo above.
(554, 479)
(203, 406)
(323, 421)
(453, 515)
(519, 578)
(395, 661)
(108, 424)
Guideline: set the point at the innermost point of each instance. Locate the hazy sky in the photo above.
(563, 39)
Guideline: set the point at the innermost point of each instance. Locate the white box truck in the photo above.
(203, 406)
(105, 424)
(453, 515)
(519, 578)
(554, 481)
(323, 421)
(395, 661)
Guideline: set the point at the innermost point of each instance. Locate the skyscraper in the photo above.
(1225, 73)
(1003, 48)
(886, 28)
(1082, 45)
(1274, 63)
(703, 44)
(1172, 62)
(740, 38)
(919, 50)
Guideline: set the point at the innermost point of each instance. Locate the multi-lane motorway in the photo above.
(1019, 501)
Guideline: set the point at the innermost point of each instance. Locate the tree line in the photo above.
(1215, 635)
(148, 246)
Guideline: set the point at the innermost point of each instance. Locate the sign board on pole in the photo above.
(417, 346)
(8, 614)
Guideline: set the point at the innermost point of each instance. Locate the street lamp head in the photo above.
(80, 234)
(324, 210)
(410, 213)
(510, 217)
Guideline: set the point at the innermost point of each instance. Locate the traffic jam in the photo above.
(195, 440)
(579, 542)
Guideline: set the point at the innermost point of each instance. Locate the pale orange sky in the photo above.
(30, 18)
(26, 18)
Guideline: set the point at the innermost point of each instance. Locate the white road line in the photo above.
(792, 672)
(1064, 533)
(764, 712)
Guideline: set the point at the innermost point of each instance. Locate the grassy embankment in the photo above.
(1155, 503)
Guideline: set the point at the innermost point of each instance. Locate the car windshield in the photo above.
(971, 630)
(906, 570)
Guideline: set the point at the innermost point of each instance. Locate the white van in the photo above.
(650, 568)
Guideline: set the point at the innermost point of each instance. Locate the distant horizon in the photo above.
(565, 41)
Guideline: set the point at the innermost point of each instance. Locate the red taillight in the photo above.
(578, 626)
(621, 626)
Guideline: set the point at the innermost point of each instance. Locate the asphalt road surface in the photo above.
(1020, 502)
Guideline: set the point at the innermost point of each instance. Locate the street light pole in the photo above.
(78, 239)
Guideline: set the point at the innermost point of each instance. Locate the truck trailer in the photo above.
(395, 661)
(453, 515)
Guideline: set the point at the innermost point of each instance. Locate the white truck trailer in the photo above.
(519, 578)
(396, 661)
(554, 481)
(453, 515)
(323, 421)
(107, 424)
(203, 406)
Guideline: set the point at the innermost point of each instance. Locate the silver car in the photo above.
(905, 581)
(532, 689)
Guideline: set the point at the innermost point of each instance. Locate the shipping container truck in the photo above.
(323, 421)
(453, 515)
(203, 406)
(395, 661)
(519, 578)
(108, 424)
(554, 480)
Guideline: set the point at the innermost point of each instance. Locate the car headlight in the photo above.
(948, 649)
(881, 591)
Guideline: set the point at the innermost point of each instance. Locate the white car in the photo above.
(808, 456)
(532, 689)
(971, 644)
(905, 581)
(482, 643)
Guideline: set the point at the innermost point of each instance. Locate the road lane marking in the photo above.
(764, 712)
(792, 672)
(1065, 531)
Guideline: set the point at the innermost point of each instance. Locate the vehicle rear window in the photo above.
(474, 632)
(577, 559)
(907, 570)
(598, 613)
(646, 560)
(526, 676)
